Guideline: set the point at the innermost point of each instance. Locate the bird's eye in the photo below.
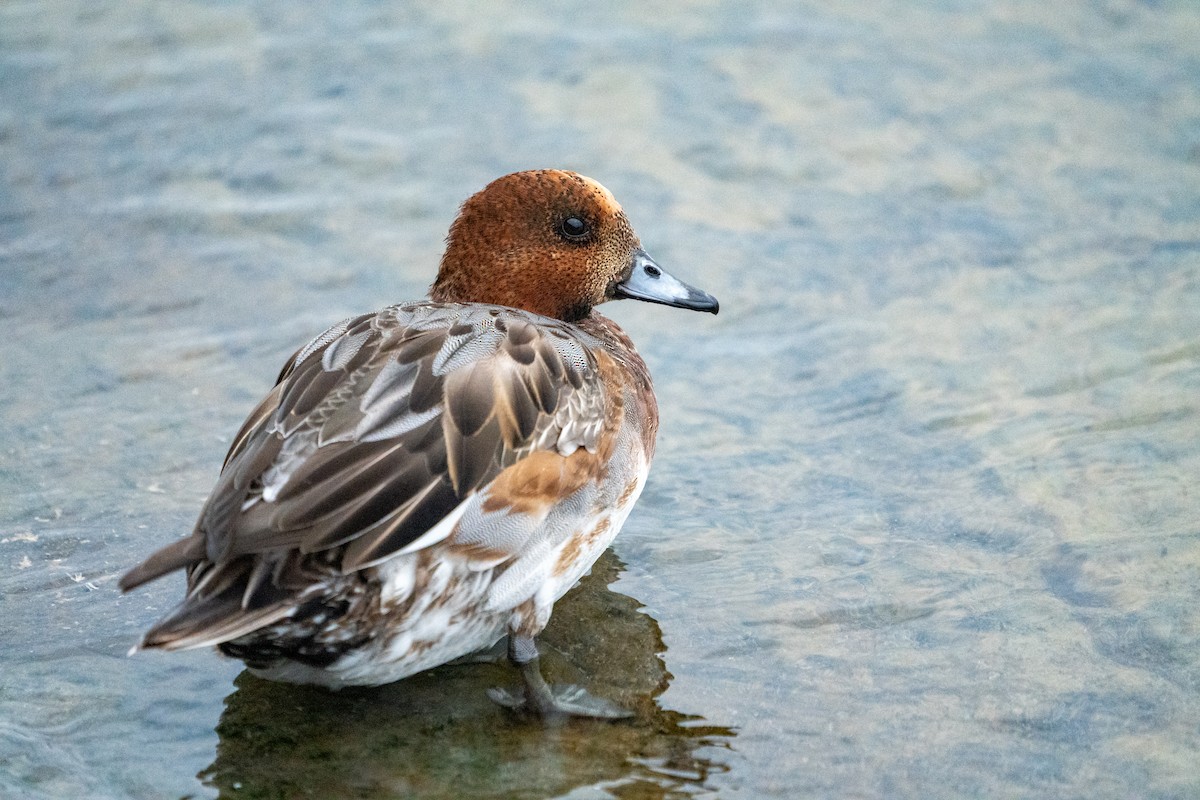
(574, 228)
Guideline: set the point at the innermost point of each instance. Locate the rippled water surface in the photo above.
(924, 520)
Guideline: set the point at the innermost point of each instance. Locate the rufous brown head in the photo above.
(555, 243)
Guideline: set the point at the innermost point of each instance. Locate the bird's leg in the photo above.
(544, 700)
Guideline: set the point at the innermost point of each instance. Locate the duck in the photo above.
(426, 479)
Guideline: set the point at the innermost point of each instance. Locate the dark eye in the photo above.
(574, 228)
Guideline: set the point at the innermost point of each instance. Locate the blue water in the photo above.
(923, 519)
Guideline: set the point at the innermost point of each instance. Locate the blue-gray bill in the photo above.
(649, 282)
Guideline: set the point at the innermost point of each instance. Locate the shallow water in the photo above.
(923, 520)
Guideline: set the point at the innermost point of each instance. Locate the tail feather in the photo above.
(176, 555)
(209, 624)
(215, 609)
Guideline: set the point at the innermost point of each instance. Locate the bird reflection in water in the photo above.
(436, 735)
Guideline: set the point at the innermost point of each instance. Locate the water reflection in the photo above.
(436, 735)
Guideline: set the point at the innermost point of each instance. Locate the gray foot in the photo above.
(561, 701)
(549, 702)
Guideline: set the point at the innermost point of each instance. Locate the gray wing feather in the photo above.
(377, 430)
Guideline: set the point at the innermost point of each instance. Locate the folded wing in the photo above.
(375, 437)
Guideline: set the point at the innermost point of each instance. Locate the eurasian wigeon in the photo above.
(425, 479)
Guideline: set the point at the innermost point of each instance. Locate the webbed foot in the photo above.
(561, 700)
(549, 702)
